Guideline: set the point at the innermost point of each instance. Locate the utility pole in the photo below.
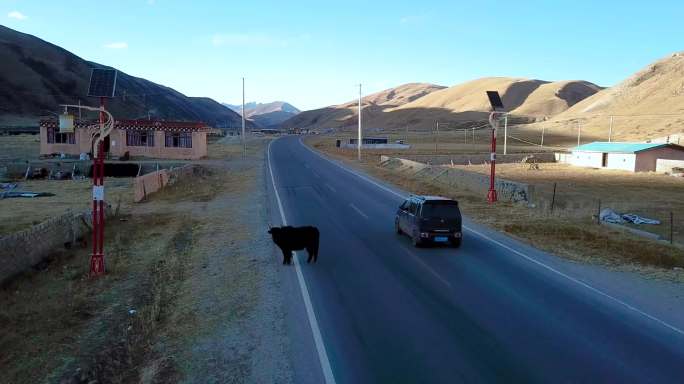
(505, 134)
(358, 145)
(579, 132)
(244, 140)
(610, 130)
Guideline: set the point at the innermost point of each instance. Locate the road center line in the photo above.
(516, 252)
(358, 211)
(315, 330)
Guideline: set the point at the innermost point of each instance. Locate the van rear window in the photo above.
(441, 209)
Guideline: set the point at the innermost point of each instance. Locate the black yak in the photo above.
(295, 239)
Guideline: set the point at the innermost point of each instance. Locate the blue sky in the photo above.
(313, 53)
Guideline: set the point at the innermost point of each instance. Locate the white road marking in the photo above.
(426, 266)
(358, 211)
(516, 252)
(330, 188)
(318, 339)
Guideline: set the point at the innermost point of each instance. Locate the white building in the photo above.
(634, 157)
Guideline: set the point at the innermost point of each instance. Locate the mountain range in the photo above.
(267, 115)
(37, 76)
(420, 105)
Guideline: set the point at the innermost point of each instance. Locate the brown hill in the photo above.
(648, 104)
(461, 104)
(345, 115)
(36, 76)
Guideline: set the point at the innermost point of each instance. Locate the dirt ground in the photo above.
(191, 293)
(576, 238)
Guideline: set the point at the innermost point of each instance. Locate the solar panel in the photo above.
(102, 82)
(495, 100)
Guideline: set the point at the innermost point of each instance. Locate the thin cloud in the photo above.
(117, 45)
(17, 15)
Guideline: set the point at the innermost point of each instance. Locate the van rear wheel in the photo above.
(415, 240)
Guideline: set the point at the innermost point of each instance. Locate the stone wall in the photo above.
(22, 250)
(478, 158)
(150, 183)
(476, 182)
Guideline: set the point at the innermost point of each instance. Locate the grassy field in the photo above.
(426, 143)
(19, 147)
(575, 237)
(21, 213)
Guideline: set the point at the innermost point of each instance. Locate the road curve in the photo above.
(490, 311)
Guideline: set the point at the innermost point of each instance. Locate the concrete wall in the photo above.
(476, 182)
(22, 250)
(478, 158)
(621, 161)
(150, 183)
(82, 144)
(665, 165)
(646, 161)
(586, 159)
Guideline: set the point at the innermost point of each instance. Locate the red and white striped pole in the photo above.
(491, 194)
(97, 264)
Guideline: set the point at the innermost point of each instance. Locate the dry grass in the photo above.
(578, 191)
(19, 147)
(55, 320)
(575, 238)
(21, 213)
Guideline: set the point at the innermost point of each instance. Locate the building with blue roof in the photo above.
(627, 156)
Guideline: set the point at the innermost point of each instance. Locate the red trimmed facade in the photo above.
(149, 138)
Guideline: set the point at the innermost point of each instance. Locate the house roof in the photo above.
(620, 147)
(142, 125)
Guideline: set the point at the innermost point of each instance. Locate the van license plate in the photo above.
(441, 239)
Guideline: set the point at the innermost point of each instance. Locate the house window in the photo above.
(56, 137)
(140, 138)
(179, 139)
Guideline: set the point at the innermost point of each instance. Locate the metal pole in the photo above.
(491, 195)
(473, 141)
(505, 134)
(244, 141)
(610, 130)
(97, 265)
(358, 145)
(542, 139)
(579, 132)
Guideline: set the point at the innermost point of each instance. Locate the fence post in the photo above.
(553, 198)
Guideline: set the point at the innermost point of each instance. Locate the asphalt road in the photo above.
(491, 311)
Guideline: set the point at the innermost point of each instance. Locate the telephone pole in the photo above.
(358, 145)
(244, 140)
